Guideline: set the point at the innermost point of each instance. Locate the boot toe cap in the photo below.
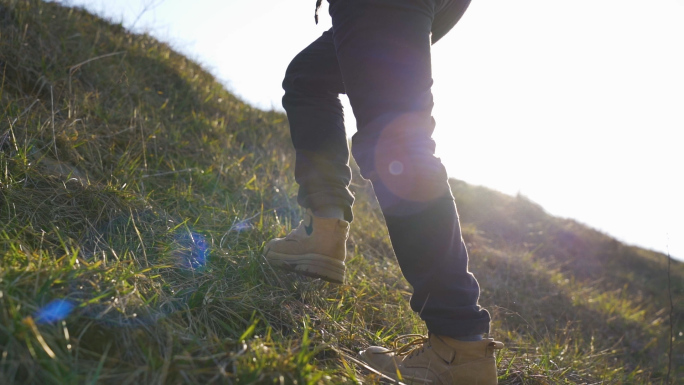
(378, 358)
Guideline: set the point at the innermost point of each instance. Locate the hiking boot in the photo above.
(316, 248)
(436, 360)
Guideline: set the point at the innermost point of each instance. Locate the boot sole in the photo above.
(311, 265)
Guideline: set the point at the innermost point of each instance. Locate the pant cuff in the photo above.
(458, 328)
(322, 199)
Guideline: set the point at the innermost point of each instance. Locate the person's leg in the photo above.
(383, 50)
(312, 86)
(317, 247)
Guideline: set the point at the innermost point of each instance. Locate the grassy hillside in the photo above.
(136, 195)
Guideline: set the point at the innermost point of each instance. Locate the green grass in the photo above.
(136, 189)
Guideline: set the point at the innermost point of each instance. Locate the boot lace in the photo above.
(414, 347)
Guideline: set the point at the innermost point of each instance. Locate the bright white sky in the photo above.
(576, 104)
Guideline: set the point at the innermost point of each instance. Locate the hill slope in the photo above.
(136, 195)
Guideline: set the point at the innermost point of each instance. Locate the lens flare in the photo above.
(193, 249)
(396, 167)
(54, 311)
(241, 226)
(404, 160)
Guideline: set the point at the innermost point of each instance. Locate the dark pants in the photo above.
(378, 53)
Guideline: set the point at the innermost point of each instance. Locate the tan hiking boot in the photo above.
(316, 248)
(437, 360)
